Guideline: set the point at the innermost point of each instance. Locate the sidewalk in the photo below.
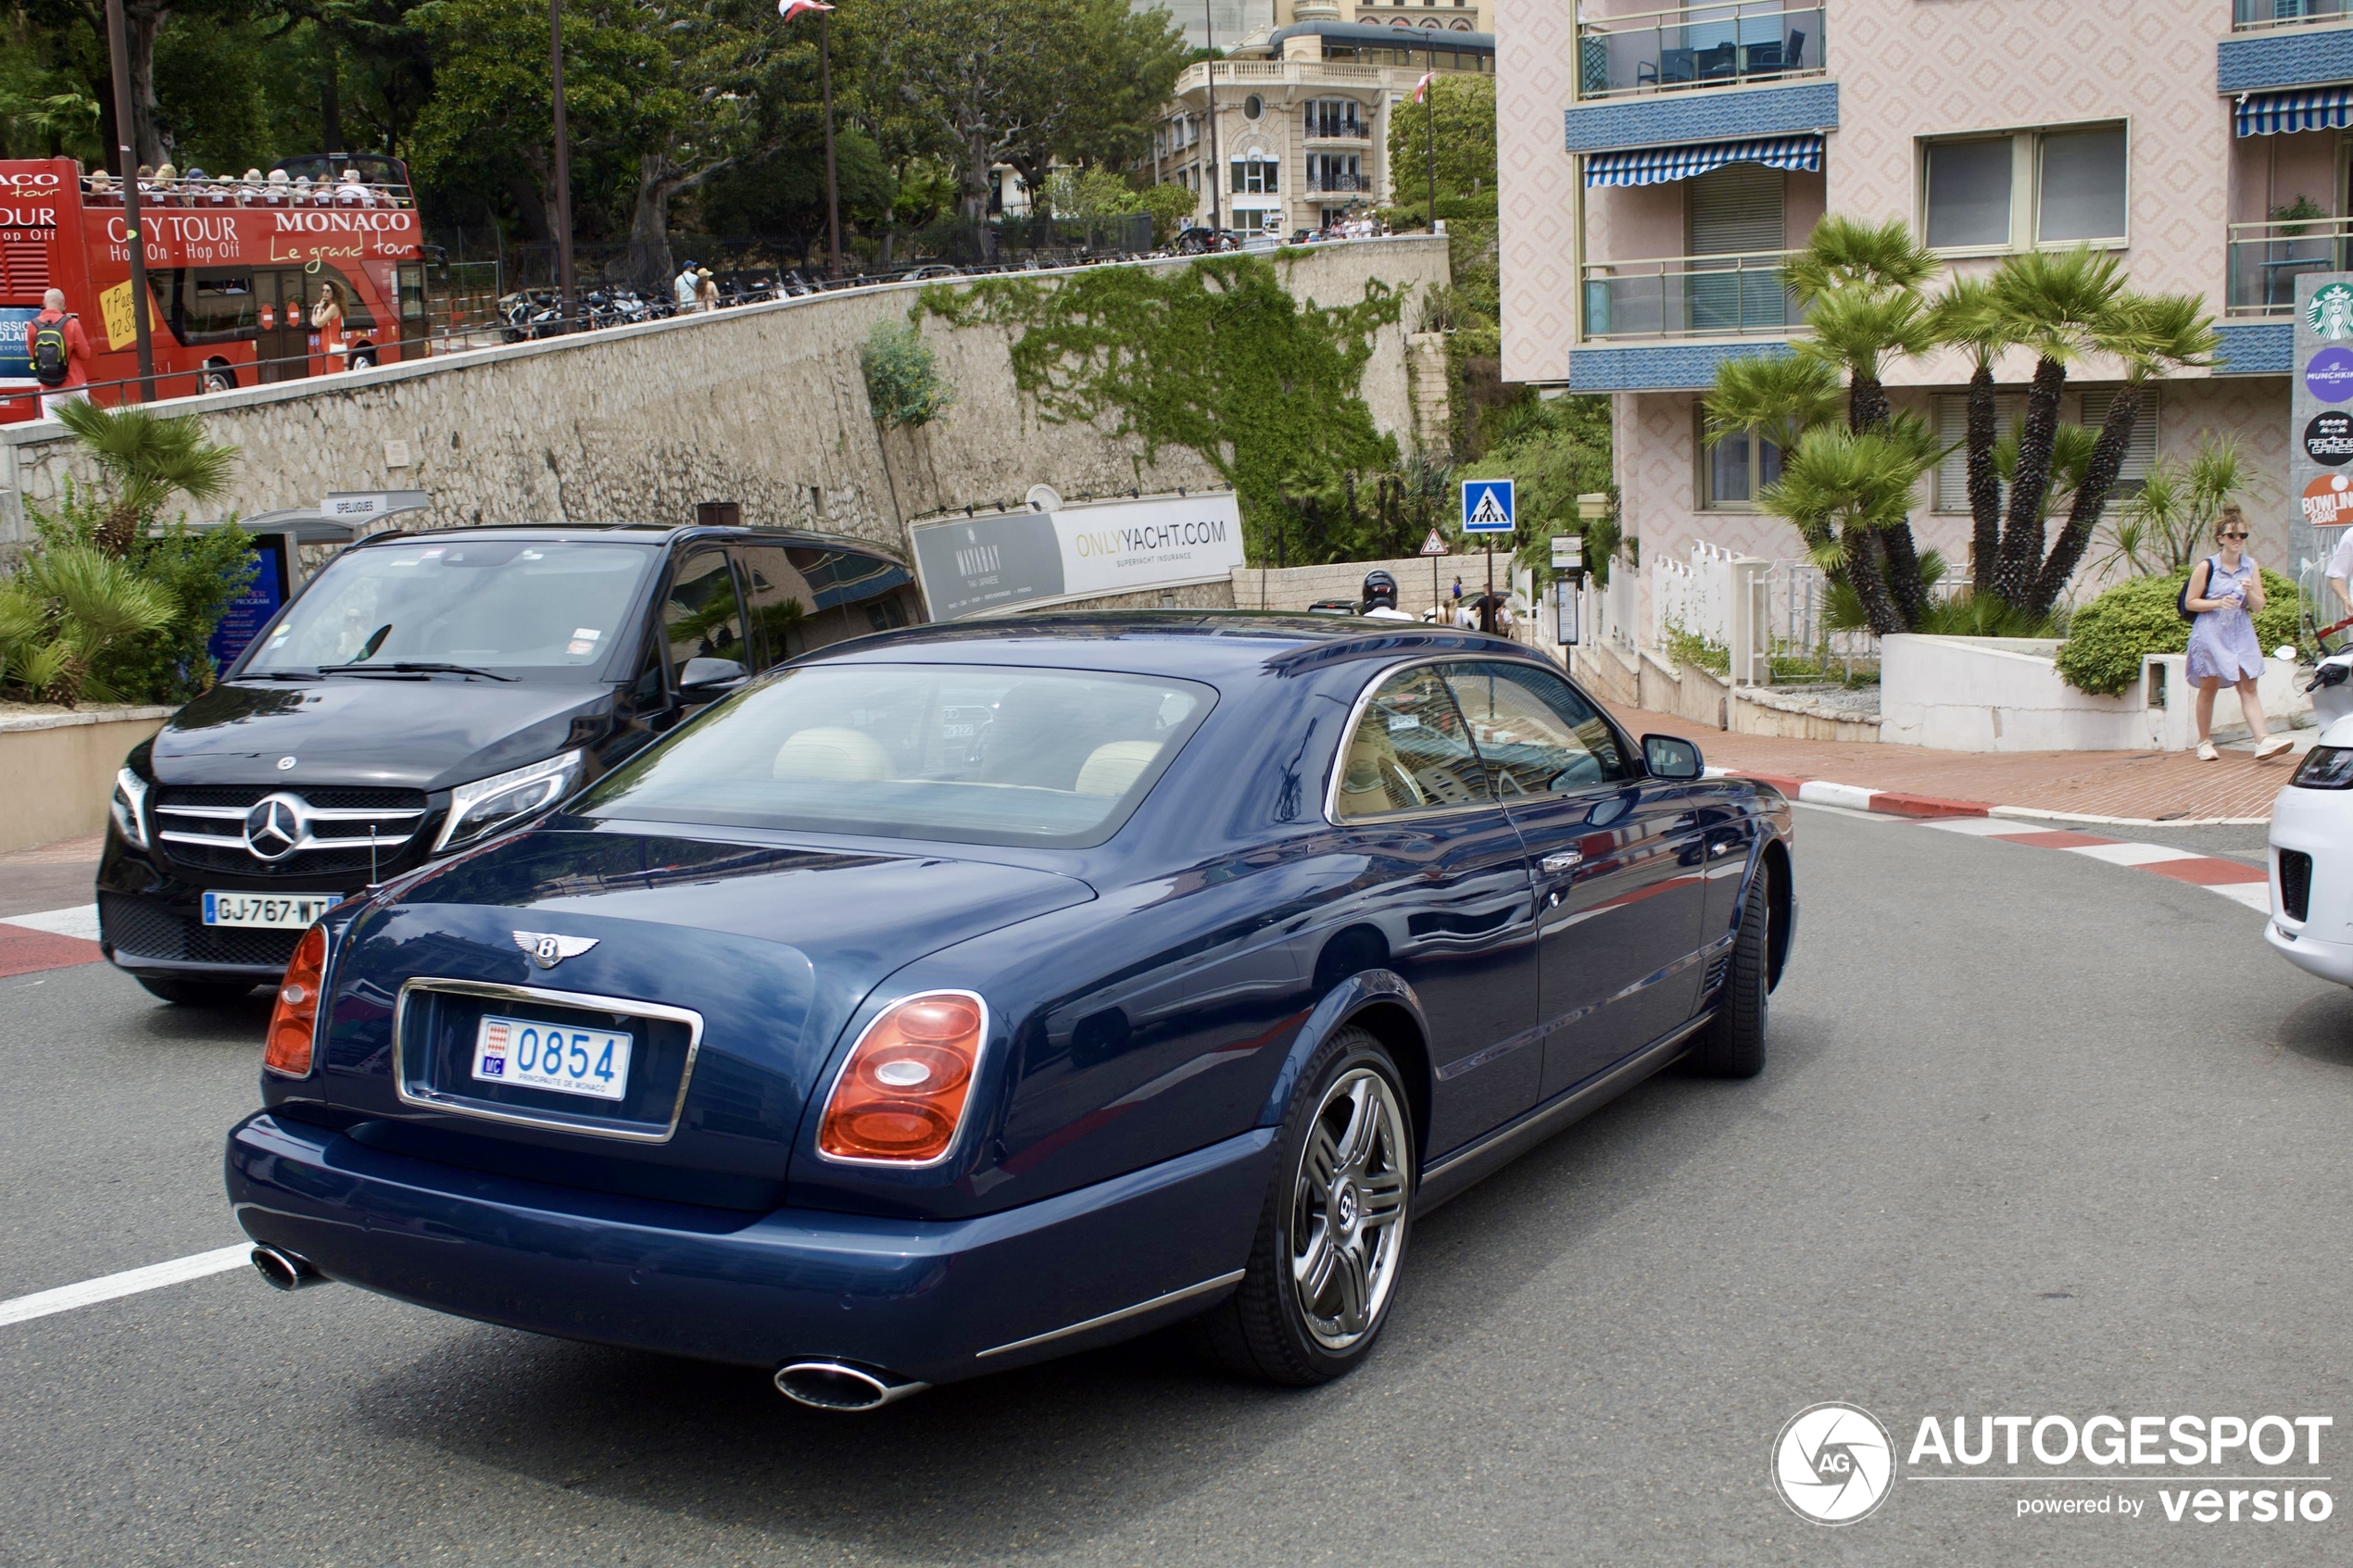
(2153, 786)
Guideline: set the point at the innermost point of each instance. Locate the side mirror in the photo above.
(703, 678)
(1666, 756)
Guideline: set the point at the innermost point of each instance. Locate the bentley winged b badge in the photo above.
(548, 950)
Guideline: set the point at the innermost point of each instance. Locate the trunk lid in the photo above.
(730, 968)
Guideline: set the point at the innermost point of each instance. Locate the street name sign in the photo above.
(1488, 506)
(1568, 551)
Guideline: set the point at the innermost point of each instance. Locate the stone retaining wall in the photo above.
(762, 404)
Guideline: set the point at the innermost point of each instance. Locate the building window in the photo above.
(1252, 106)
(1327, 118)
(1256, 176)
(2026, 188)
(1734, 469)
(1951, 494)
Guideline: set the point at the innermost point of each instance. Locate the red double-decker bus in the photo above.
(236, 269)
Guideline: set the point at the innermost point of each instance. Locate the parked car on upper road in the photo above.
(425, 689)
(974, 994)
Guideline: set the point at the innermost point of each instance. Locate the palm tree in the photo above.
(147, 460)
(1966, 317)
(1850, 490)
(1846, 252)
(66, 604)
(2057, 303)
(2152, 333)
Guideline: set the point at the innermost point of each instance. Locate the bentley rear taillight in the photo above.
(903, 1092)
(294, 1022)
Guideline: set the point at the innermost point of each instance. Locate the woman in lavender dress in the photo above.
(2226, 592)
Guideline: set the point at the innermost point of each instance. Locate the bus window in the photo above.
(216, 306)
(411, 284)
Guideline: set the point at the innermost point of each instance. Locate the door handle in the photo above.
(1564, 861)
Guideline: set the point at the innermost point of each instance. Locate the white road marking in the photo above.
(2132, 854)
(2256, 896)
(80, 920)
(131, 1282)
(1882, 818)
(1982, 827)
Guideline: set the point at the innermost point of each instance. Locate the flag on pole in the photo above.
(791, 9)
(1420, 87)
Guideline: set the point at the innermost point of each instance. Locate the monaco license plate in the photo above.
(549, 1056)
(282, 911)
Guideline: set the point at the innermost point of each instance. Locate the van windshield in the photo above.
(506, 605)
(969, 754)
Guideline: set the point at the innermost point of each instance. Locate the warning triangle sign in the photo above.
(1433, 545)
(1488, 513)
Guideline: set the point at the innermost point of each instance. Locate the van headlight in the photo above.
(2325, 767)
(487, 805)
(129, 806)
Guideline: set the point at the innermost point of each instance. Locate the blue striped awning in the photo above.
(2313, 108)
(1656, 165)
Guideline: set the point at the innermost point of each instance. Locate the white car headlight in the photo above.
(486, 805)
(129, 805)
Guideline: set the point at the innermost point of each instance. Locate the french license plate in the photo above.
(282, 911)
(548, 1056)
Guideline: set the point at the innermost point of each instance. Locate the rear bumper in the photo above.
(934, 1301)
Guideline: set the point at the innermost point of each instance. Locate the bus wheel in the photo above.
(218, 377)
(364, 359)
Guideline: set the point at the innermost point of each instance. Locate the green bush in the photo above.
(2107, 637)
(903, 383)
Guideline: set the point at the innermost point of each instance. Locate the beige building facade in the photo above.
(1300, 137)
(2201, 142)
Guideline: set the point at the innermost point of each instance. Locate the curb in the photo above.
(1886, 802)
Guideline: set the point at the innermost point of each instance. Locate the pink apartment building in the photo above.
(1655, 163)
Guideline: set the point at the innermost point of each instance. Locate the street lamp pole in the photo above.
(833, 188)
(1429, 120)
(563, 160)
(127, 157)
(1216, 170)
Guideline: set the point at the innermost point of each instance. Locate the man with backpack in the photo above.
(59, 352)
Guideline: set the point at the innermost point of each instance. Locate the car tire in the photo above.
(1326, 1262)
(1732, 1046)
(198, 993)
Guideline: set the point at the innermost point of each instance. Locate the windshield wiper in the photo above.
(280, 675)
(411, 667)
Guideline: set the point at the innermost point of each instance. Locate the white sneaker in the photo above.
(2271, 748)
(2206, 751)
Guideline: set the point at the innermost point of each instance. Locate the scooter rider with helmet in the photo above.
(1381, 597)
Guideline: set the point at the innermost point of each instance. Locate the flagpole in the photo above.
(833, 188)
(1430, 108)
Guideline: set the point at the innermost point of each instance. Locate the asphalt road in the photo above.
(2039, 1135)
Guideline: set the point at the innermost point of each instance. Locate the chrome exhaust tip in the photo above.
(284, 1269)
(832, 1386)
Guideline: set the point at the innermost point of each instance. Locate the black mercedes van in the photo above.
(423, 690)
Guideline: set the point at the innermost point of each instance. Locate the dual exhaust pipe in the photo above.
(820, 1385)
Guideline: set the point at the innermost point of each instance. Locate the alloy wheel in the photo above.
(1348, 1208)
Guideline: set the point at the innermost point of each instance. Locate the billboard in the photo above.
(2319, 449)
(992, 563)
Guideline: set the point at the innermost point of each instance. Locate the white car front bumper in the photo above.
(2318, 823)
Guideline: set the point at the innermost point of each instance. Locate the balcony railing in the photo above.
(1310, 73)
(2250, 16)
(1690, 297)
(1721, 44)
(2266, 258)
(1342, 182)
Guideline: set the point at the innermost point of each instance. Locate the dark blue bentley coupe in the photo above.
(969, 994)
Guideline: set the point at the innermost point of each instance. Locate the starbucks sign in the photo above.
(2328, 315)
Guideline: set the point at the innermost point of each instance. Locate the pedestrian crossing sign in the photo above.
(1486, 506)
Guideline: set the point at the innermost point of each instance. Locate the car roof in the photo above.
(1181, 642)
(645, 533)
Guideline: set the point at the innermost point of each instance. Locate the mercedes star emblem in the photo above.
(285, 764)
(547, 950)
(276, 828)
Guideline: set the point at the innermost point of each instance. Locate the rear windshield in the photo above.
(495, 604)
(970, 753)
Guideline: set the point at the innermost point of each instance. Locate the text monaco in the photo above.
(1143, 540)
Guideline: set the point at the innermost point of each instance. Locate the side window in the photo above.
(778, 604)
(1535, 735)
(852, 595)
(702, 618)
(1410, 752)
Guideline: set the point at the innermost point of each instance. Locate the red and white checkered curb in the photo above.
(2234, 879)
(50, 939)
(1855, 798)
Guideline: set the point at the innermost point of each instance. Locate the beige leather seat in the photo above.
(1110, 769)
(1370, 782)
(836, 756)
